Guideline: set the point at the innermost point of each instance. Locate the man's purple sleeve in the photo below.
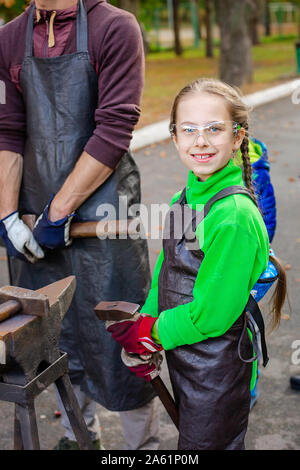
(12, 111)
(120, 85)
(12, 114)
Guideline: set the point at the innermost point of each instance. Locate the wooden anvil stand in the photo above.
(30, 360)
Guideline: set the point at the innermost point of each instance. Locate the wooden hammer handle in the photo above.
(92, 229)
(166, 399)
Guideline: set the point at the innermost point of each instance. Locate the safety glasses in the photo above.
(214, 133)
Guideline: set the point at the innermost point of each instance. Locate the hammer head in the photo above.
(116, 311)
(32, 302)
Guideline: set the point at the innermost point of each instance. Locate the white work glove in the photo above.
(146, 367)
(19, 240)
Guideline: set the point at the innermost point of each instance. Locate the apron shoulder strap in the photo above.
(199, 216)
(29, 33)
(220, 195)
(227, 192)
(182, 198)
(82, 27)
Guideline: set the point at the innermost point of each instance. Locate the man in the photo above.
(73, 76)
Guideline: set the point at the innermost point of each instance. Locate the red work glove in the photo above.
(145, 367)
(135, 335)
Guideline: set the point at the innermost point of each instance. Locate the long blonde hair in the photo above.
(240, 114)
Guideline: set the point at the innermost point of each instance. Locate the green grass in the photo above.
(279, 38)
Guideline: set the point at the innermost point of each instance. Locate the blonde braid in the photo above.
(246, 161)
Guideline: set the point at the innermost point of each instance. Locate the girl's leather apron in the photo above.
(210, 380)
(61, 96)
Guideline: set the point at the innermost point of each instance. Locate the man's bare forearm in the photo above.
(87, 175)
(11, 168)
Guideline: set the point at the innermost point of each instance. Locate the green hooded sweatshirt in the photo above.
(235, 243)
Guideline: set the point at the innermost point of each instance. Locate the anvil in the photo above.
(30, 359)
(29, 339)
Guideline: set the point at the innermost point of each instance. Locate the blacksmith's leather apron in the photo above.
(210, 379)
(60, 95)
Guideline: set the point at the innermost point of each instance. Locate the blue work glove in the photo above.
(19, 240)
(52, 234)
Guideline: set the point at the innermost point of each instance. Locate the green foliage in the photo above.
(9, 9)
(149, 9)
(278, 38)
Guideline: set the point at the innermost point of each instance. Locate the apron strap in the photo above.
(81, 30)
(191, 223)
(199, 216)
(182, 199)
(247, 323)
(29, 33)
(81, 27)
(254, 310)
(227, 192)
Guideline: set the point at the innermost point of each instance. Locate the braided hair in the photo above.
(247, 167)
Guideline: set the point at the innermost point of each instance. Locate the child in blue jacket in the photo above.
(262, 183)
(265, 196)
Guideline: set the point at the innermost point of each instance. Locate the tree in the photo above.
(208, 27)
(297, 5)
(255, 12)
(196, 21)
(235, 65)
(176, 26)
(267, 22)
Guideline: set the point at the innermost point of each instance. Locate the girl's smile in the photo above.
(203, 157)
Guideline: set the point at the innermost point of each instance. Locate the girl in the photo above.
(195, 309)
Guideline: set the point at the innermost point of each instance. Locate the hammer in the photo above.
(94, 229)
(117, 311)
(17, 299)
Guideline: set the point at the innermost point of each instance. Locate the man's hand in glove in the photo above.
(19, 240)
(53, 234)
(134, 335)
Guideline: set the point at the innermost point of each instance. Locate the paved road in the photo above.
(274, 421)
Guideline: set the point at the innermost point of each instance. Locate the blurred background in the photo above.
(253, 44)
